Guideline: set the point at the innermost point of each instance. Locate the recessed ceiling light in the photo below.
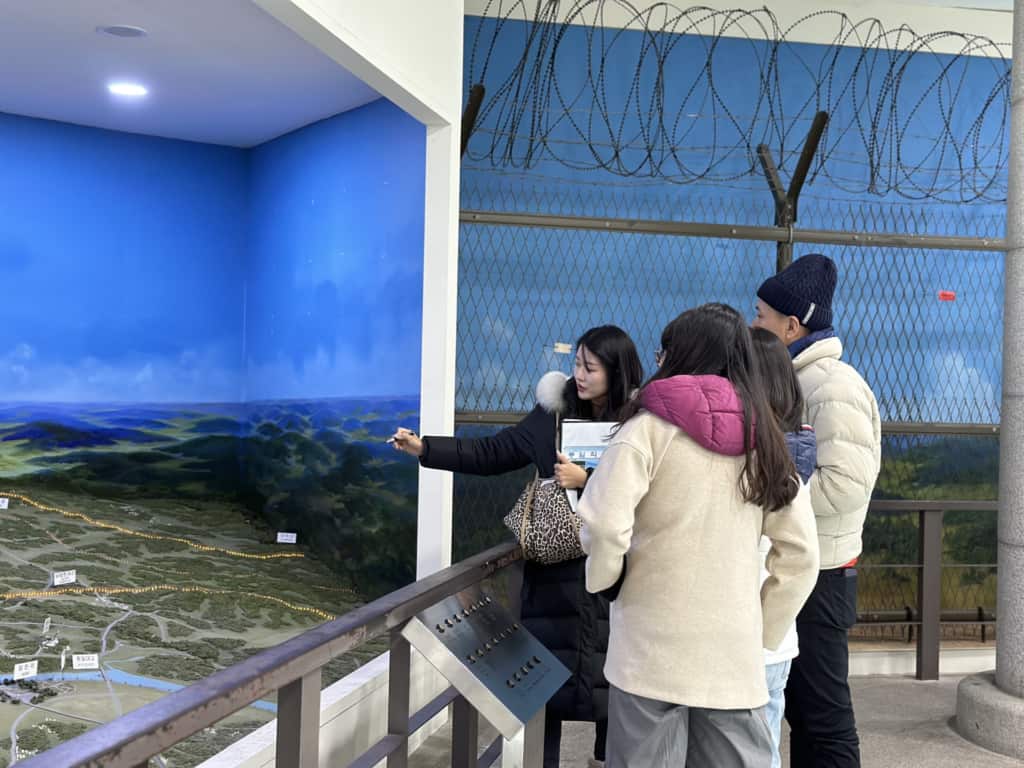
(122, 30)
(127, 89)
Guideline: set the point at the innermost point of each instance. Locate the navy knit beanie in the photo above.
(804, 290)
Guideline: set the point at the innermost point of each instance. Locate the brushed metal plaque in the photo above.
(489, 657)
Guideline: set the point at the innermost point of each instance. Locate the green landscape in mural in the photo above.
(169, 517)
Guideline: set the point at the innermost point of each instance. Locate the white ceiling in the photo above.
(218, 71)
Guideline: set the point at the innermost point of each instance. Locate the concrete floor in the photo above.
(903, 723)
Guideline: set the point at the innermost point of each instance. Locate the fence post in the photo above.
(476, 98)
(786, 201)
(929, 593)
(399, 673)
(298, 722)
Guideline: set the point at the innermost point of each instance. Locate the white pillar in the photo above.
(990, 706)
(437, 384)
(1010, 599)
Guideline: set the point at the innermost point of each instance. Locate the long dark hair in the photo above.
(617, 353)
(780, 383)
(713, 339)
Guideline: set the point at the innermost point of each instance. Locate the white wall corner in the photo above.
(440, 313)
(410, 52)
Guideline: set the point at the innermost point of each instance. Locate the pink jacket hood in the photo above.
(706, 408)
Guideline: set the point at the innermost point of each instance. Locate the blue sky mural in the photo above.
(334, 277)
(121, 258)
(140, 269)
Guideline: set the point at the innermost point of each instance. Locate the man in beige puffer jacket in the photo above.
(796, 305)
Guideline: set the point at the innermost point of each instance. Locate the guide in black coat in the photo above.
(555, 605)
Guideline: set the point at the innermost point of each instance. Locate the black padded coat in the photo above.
(556, 606)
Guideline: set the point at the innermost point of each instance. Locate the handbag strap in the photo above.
(528, 510)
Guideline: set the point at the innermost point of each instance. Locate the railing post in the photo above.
(929, 593)
(526, 748)
(399, 672)
(465, 734)
(298, 722)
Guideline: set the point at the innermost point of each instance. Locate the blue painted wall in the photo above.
(335, 270)
(141, 269)
(121, 258)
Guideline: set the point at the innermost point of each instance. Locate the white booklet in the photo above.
(584, 442)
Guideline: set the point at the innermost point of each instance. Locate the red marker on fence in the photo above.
(947, 295)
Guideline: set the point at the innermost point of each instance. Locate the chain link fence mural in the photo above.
(620, 196)
(524, 288)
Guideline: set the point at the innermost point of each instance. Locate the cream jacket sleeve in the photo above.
(792, 565)
(608, 510)
(842, 417)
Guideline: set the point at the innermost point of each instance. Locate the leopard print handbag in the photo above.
(544, 522)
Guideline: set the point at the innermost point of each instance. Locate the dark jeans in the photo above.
(553, 740)
(818, 705)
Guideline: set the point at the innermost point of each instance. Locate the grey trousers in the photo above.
(645, 733)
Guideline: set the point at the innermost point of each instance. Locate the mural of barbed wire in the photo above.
(685, 95)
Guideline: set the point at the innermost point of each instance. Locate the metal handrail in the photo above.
(132, 739)
(925, 505)
(928, 610)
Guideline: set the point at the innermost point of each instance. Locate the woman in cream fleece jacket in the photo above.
(681, 491)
